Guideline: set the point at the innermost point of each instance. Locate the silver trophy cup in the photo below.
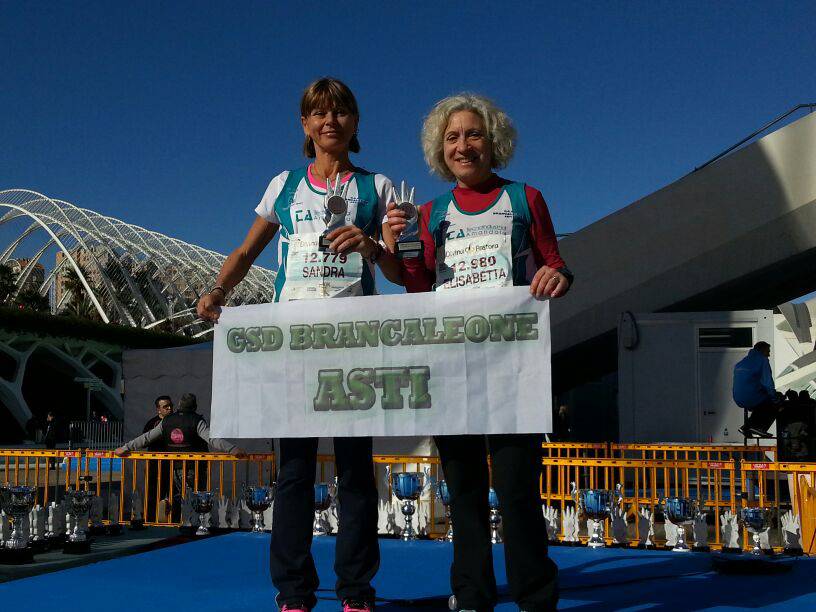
(442, 493)
(408, 487)
(335, 207)
(4, 499)
(324, 494)
(596, 504)
(680, 511)
(757, 521)
(408, 244)
(202, 503)
(17, 503)
(79, 502)
(258, 499)
(495, 516)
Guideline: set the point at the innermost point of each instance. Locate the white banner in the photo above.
(453, 362)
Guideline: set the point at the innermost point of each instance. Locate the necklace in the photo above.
(343, 174)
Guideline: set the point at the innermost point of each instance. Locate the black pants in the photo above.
(516, 460)
(153, 489)
(763, 415)
(357, 553)
(182, 481)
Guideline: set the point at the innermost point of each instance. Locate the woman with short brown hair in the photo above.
(294, 205)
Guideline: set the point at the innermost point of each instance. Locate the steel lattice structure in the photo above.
(130, 275)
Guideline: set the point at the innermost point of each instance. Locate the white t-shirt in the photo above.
(294, 200)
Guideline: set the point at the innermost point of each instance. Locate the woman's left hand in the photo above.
(548, 282)
(350, 238)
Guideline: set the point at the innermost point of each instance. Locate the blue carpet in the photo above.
(104, 464)
(230, 573)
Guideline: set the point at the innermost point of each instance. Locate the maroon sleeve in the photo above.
(542, 234)
(419, 273)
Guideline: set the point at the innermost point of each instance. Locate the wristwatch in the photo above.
(566, 272)
(221, 289)
(378, 251)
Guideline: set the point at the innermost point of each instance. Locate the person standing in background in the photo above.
(164, 408)
(50, 435)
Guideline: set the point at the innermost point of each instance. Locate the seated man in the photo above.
(753, 389)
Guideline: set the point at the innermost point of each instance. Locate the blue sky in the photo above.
(175, 115)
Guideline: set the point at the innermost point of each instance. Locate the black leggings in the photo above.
(357, 553)
(516, 461)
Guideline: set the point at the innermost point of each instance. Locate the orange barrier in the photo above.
(644, 483)
(696, 471)
(807, 511)
(49, 471)
(226, 476)
(575, 449)
(693, 452)
(719, 486)
(765, 489)
(164, 479)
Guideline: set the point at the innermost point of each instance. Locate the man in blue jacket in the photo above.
(754, 390)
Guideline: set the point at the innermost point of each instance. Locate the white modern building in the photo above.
(123, 273)
(737, 235)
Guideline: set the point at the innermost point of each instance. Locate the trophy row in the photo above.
(32, 526)
(598, 505)
(67, 524)
(408, 487)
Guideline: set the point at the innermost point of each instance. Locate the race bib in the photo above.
(312, 273)
(477, 261)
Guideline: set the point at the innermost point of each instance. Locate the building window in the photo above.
(725, 337)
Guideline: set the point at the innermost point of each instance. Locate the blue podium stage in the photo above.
(229, 573)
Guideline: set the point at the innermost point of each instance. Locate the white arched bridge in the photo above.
(100, 267)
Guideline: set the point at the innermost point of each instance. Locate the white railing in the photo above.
(96, 435)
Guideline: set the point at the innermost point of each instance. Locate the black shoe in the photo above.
(760, 433)
(754, 432)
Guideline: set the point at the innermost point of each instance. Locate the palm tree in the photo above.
(31, 299)
(79, 303)
(6, 283)
(81, 307)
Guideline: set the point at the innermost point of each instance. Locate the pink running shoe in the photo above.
(351, 605)
(295, 608)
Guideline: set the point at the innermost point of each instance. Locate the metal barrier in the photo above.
(96, 435)
(644, 482)
(784, 487)
(162, 480)
(719, 485)
(807, 512)
(575, 449)
(693, 452)
(42, 469)
(158, 478)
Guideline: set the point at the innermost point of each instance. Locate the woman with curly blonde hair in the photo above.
(464, 138)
